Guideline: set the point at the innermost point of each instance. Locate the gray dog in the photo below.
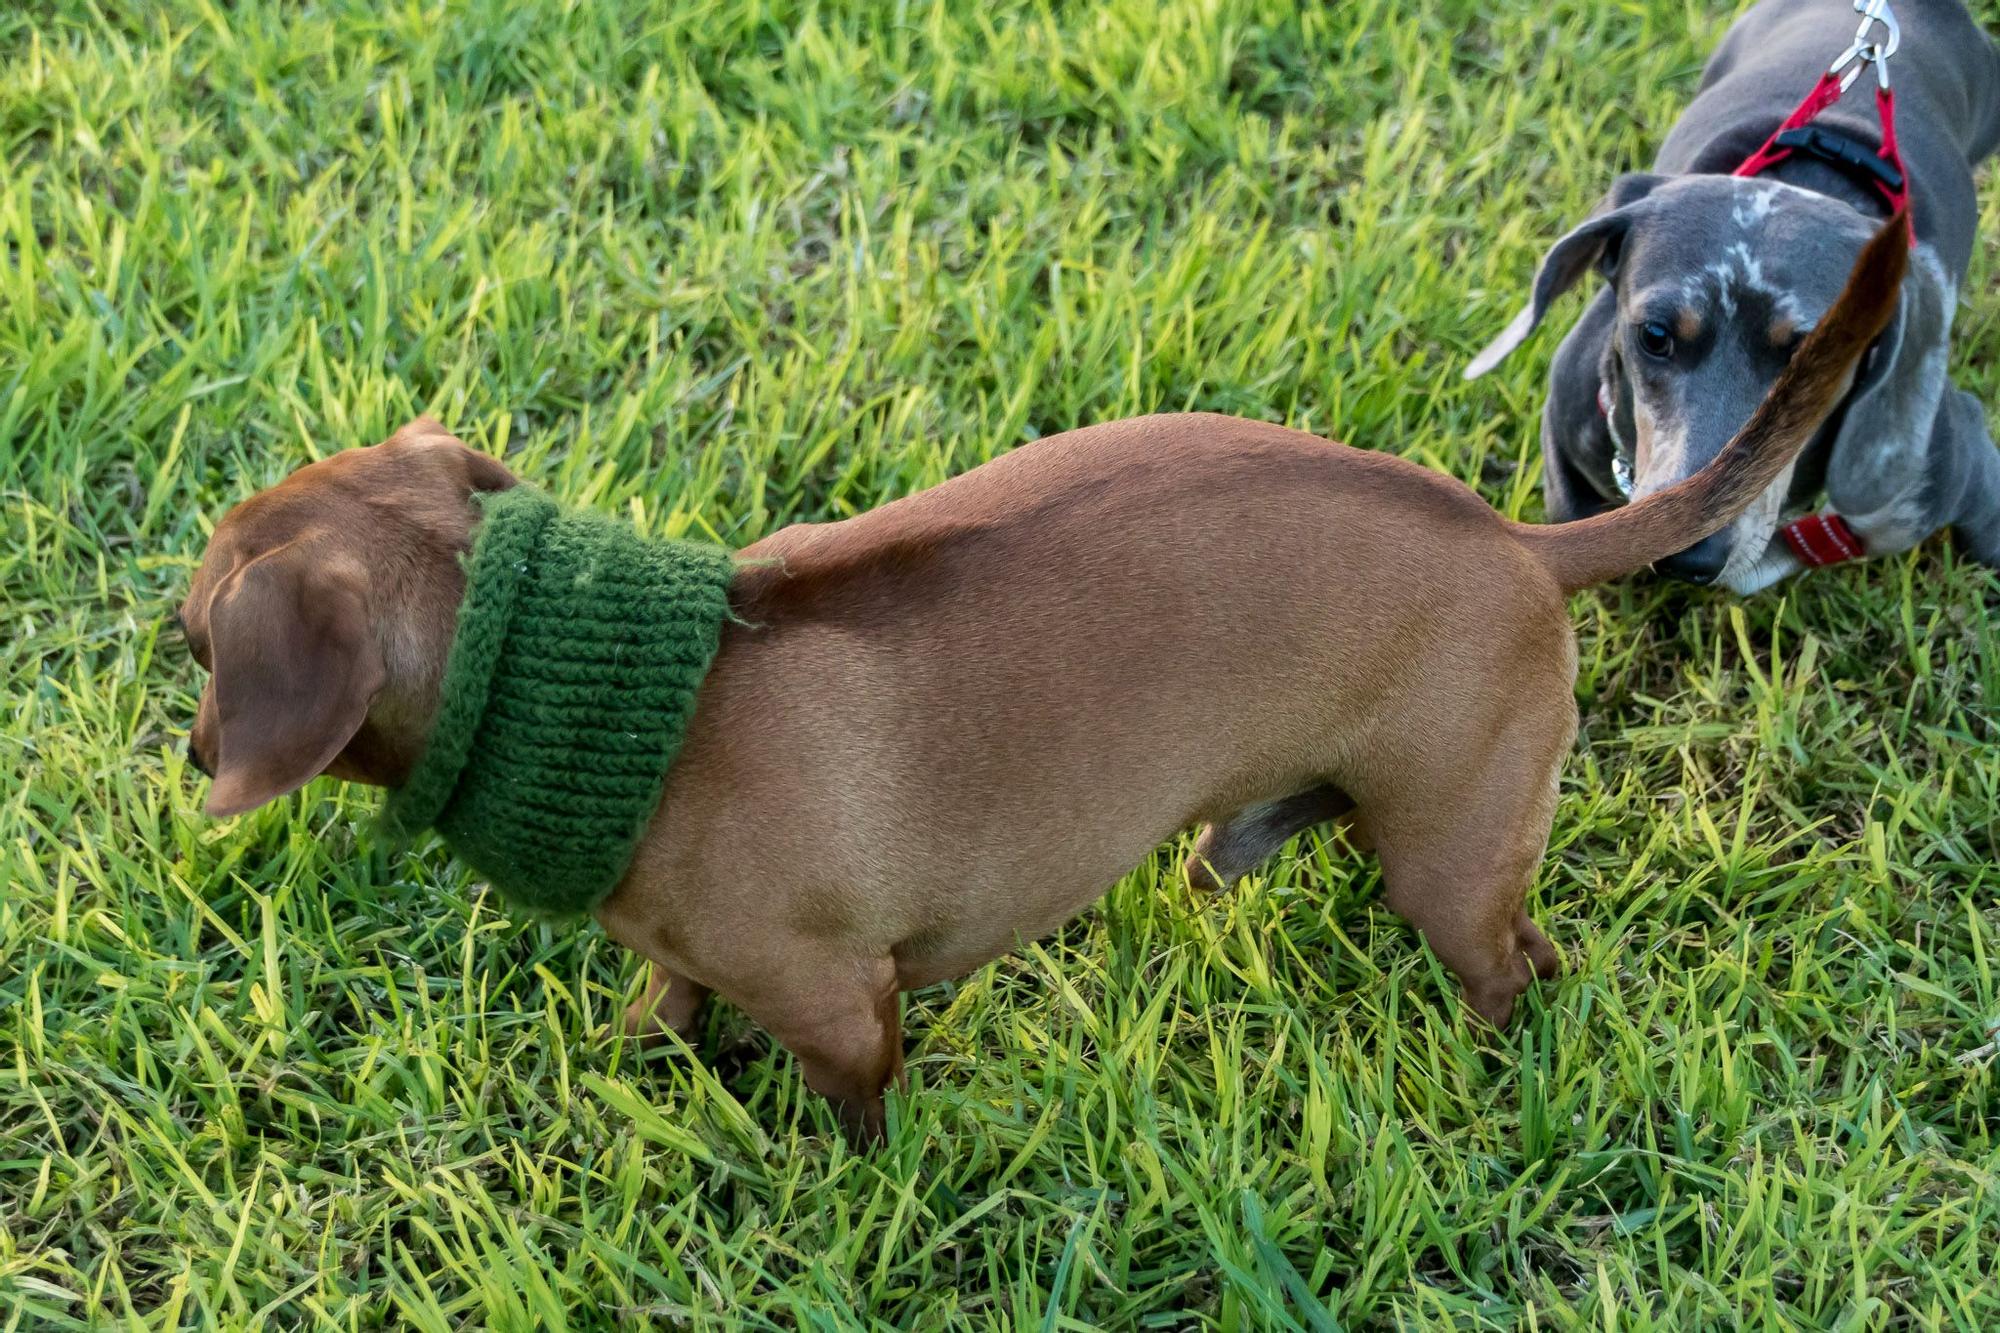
(1712, 279)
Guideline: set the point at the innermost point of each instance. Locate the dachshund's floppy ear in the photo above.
(1594, 243)
(296, 665)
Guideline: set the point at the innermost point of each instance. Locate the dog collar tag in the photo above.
(1621, 469)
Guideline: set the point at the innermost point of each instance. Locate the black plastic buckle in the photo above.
(1841, 151)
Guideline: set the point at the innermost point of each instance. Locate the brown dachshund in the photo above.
(950, 724)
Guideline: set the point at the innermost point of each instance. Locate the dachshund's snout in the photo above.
(194, 757)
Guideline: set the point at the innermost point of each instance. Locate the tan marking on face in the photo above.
(1687, 324)
(1781, 333)
(1659, 454)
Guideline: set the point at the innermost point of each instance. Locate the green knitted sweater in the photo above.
(571, 679)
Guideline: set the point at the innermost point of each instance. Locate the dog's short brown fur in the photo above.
(951, 723)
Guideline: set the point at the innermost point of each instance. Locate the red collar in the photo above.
(1822, 539)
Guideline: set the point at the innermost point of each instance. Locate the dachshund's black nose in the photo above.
(194, 757)
(1700, 563)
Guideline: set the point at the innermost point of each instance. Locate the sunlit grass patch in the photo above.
(730, 265)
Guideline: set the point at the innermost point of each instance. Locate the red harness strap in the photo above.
(1899, 200)
(1823, 95)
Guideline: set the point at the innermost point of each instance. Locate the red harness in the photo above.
(1889, 176)
(1825, 539)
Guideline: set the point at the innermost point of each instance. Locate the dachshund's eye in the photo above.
(1655, 341)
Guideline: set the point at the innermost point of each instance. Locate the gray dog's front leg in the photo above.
(1953, 481)
(1961, 436)
(1777, 562)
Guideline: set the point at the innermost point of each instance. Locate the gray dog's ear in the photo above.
(1596, 243)
(1892, 408)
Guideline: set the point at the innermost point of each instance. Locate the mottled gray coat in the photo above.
(1736, 270)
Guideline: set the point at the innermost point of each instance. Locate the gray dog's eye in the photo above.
(1655, 341)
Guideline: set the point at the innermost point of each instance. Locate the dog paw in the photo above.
(1202, 877)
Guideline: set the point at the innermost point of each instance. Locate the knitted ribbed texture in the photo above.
(573, 671)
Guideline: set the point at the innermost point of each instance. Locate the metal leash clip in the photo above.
(1864, 52)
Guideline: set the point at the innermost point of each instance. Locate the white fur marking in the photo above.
(1666, 450)
(1775, 563)
(1751, 536)
(1740, 271)
(1754, 201)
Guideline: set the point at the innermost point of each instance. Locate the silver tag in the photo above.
(1621, 472)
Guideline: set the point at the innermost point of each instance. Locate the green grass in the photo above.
(741, 262)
